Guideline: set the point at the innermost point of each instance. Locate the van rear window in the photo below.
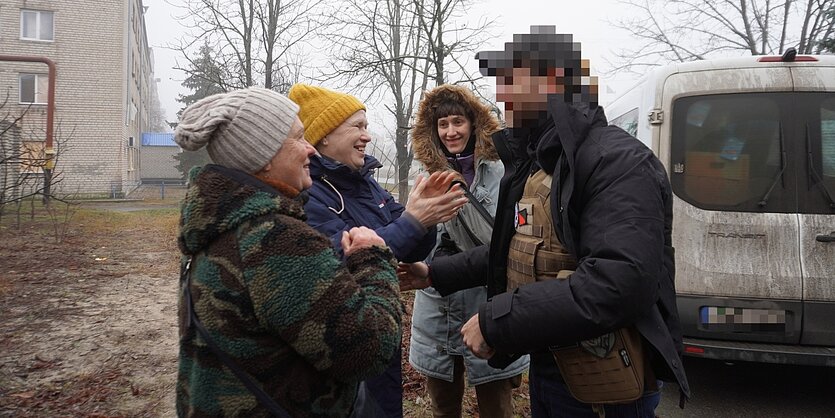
(755, 152)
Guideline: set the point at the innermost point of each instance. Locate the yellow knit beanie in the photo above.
(322, 110)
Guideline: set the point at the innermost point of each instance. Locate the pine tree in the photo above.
(204, 79)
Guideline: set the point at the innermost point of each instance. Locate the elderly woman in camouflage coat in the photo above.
(269, 289)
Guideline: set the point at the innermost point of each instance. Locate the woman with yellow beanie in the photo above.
(271, 322)
(345, 195)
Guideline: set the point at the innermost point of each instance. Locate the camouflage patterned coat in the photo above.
(276, 299)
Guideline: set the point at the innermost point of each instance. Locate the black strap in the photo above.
(476, 204)
(263, 398)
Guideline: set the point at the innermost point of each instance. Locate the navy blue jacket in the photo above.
(613, 210)
(341, 199)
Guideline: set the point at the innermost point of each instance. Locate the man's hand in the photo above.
(413, 276)
(359, 238)
(474, 340)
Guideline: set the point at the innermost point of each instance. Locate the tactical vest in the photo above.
(609, 369)
(535, 252)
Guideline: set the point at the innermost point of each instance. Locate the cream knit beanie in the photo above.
(242, 129)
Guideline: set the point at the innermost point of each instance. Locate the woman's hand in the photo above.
(359, 238)
(431, 203)
(436, 184)
(413, 276)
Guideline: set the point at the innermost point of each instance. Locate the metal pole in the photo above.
(49, 150)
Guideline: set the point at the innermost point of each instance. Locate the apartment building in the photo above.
(104, 88)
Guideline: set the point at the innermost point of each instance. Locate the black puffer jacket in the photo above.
(615, 215)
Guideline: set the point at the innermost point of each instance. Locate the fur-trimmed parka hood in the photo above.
(426, 146)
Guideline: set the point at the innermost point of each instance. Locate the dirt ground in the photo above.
(87, 325)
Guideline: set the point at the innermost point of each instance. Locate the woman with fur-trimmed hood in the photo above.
(453, 131)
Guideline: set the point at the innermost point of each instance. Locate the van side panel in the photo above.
(635, 98)
(756, 281)
(734, 254)
(817, 251)
(735, 271)
(818, 259)
(818, 263)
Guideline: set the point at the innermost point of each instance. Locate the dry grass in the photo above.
(87, 326)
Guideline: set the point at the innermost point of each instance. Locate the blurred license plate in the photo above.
(721, 318)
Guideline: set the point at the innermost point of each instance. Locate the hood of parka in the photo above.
(427, 147)
(220, 199)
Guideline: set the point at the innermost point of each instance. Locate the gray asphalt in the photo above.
(755, 390)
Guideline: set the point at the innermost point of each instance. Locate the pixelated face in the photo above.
(519, 87)
(535, 65)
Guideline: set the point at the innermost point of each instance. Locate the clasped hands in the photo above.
(432, 201)
(416, 276)
(358, 238)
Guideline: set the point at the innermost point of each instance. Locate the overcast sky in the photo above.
(586, 20)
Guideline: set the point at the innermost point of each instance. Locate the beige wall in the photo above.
(94, 88)
(159, 163)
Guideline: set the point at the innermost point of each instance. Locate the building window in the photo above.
(34, 88)
(36, 25)
(32, 157)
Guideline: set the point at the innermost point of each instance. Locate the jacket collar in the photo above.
(571, 125)
(322, 166)
(219, 199)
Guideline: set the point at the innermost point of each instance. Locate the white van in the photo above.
(749, 145)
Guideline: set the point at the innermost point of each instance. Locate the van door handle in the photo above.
(826, 238)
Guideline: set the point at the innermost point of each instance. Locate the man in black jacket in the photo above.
(611, 208)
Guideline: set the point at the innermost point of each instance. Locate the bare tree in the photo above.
(253, 40)
(10, 155)
(383, 149)
(157, 116)
(22, 160)
(449, 36)
(687, 30)
(395, 49)
(827, 40)
(14, 158)
(378, 45)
